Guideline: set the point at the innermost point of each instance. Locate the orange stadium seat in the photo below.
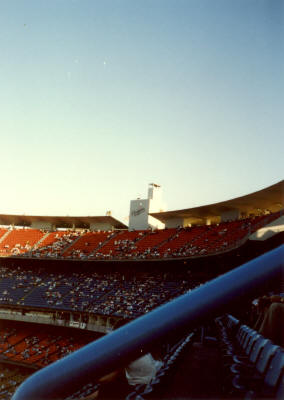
(19, 241)
(144, 244)
(86, 244)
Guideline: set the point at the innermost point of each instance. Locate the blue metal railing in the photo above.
(175, 318)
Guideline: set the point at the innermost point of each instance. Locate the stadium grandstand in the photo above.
(194, 288)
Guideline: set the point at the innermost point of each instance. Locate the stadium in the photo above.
(186, 284)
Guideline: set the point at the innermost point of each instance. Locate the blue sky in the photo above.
(100, 98)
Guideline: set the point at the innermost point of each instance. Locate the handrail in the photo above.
(175, 318)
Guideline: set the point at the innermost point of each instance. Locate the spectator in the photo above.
(272, 326)
(117, 384)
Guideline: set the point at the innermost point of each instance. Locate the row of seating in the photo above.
(33, 346)
(165, 243)
(158, 383)
(91, 292)
(20, 339)
(10, 379)
(85, 391)
(253, 364)
(19, 241)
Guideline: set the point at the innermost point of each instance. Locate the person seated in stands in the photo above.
(117, 384)
(272, 326)
(270, 320)
(262, 304)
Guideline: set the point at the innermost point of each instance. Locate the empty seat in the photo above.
(265, 357)
(257, 349)
(275, 370)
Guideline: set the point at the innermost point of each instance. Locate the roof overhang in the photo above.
(270, 198)
(61, 222)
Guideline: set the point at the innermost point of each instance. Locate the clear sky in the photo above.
(98, 98)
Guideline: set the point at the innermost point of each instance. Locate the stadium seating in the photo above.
(20, 241)
(123, 245)
(3, 231)
(158, 385)
(54, 243)
(87, 244)
(31, 345)
(253, 364)
(98, 293)
(10, 378)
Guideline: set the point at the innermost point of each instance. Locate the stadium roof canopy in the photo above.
(95, 223)
(270, 198)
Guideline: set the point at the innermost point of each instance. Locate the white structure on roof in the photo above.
(139, 217)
